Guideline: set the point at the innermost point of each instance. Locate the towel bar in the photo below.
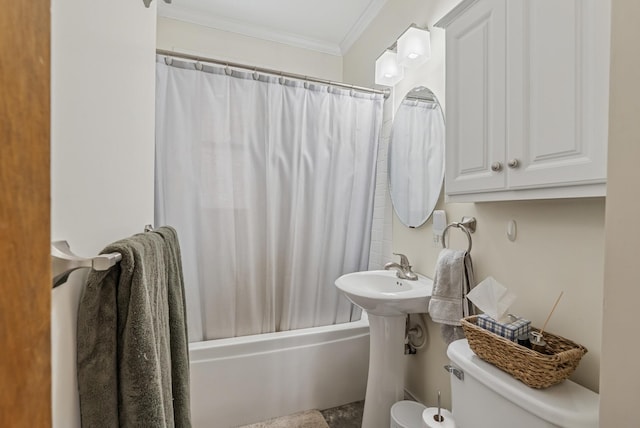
(467, 225)
(63, 261)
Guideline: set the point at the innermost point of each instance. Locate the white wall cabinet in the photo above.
(527, 99)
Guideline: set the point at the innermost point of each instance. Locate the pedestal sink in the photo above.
(387, 300)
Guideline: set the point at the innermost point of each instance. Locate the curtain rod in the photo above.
(384, 92)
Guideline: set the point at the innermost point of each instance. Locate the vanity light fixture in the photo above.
(388, 71)
(414, 46)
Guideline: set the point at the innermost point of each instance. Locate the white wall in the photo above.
(196, 39)
(102, 131)
(560, 244)
(620, 375)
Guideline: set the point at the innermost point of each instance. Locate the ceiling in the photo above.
(329, 26)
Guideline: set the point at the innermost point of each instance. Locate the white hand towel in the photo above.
(452, 281)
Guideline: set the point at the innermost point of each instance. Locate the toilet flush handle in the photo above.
(455, 371)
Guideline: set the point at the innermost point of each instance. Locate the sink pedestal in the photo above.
(385, 384)
(387, 300)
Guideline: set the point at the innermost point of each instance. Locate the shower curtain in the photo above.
(270, 185)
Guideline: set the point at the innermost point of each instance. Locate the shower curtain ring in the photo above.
(227, 70)
(281, 79)
(168, 60)
(199, 66)
(256, 76)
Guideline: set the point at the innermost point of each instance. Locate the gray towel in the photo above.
(133, 360)
(452, 281)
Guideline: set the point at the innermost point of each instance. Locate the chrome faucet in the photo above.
(403, 270)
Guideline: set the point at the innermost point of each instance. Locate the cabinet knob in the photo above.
(496, 166)
(513, 163)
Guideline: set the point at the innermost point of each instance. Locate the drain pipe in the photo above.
(415, 337)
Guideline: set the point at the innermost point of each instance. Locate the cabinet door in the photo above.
(557, 100)
(476, 99)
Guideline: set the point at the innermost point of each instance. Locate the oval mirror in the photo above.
(416, 157)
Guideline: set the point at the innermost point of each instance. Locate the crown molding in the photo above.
(179, 13)
(369, 14)
(454, 13)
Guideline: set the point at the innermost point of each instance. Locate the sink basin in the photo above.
(381, 292)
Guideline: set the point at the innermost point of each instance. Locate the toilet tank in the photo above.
(487, 397)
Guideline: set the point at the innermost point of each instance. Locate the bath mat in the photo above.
(307, 419)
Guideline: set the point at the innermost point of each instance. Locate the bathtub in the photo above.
(248, 379)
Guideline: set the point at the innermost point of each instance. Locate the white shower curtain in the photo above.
(270, 186)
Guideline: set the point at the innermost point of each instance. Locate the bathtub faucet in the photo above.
(403, 270)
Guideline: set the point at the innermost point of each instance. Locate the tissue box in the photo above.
(509, 330)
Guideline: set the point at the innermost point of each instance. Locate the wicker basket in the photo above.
(532, 368)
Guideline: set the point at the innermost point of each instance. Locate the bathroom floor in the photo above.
(346, 416)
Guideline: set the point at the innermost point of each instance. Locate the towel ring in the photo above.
(467, 225)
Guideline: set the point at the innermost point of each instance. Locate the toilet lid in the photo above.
(566, 404)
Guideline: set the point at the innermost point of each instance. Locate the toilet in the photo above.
(484, 396)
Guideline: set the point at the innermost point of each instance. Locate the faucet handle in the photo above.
(404, 261)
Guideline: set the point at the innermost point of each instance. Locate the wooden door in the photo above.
(25, 374)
